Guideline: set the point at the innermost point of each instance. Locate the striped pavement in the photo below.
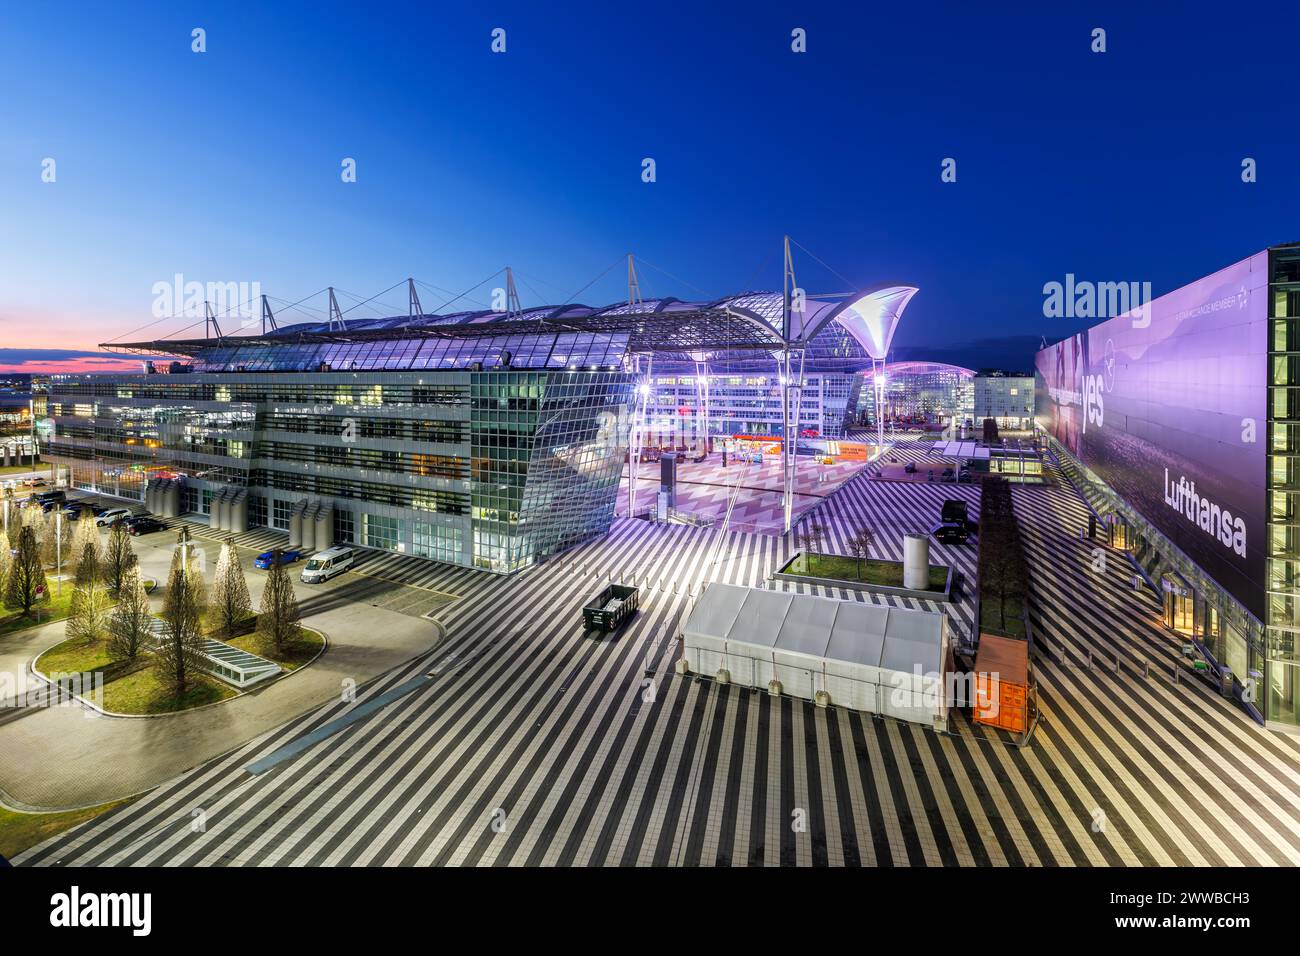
(533, 744)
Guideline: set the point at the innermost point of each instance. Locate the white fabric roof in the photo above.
(868, 635)
(760, 617)
(961, 449)
(859, 633)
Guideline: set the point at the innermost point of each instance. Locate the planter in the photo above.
(943, 594)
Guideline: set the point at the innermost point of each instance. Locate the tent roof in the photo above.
(717, 614)
(850, 631)
(859, 634)
(760, 618)
(807, 627)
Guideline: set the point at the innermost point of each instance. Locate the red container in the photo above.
(1003, 690)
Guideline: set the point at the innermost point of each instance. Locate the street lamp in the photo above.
(58, 551)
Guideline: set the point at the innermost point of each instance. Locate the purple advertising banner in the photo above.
(1168, 405)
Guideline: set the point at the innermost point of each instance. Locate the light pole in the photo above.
(58, 550)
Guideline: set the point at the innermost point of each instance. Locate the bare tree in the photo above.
(129, 629)
(84, 542)
(26, 583)
(13, 516)
(88, 569)
(859, 543)
(6, 563)
(277, 620)
(34, 518)
(88, 612)
(230, 597)
(118, 556)
(55, 535)
(810, 539)
(179, 656)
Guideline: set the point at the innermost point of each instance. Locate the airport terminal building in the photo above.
(920, 394)
(1180, 422)
(485, 439)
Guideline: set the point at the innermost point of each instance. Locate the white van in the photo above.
(325, 564)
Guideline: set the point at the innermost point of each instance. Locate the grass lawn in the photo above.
(139, 692)
(867, 571)
(299, 652)
(55, 609)
(21, 831)
(991, 622)
(212, 625)
(41, 468)
(128, 688)
(74, 657)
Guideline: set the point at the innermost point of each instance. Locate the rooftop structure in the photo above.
(490, 439)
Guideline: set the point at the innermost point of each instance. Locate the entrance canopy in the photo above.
(969, 450)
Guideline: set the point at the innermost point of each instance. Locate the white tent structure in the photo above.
(867, 657)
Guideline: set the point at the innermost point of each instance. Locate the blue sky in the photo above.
(224, 166)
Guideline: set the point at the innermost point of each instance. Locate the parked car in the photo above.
(265, 559)
(33, 482)
(954, 510)
(146, 524)
(323, 565)
(41, 497)
(951, 533)
(111, 516)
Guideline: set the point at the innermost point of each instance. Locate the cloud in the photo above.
(50, 361)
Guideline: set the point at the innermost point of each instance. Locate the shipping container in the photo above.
(1003, 686)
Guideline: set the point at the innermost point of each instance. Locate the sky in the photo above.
(224, 166)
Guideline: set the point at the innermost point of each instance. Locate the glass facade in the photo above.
(921, 393)
(1006, 398)
(546, 451)
(1282, 668)
(490, 439)
(490, 469)
(748, 404)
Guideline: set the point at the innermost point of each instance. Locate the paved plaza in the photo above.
(522, 741)
(706, 489)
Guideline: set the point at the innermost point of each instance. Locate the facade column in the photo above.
(640, 405)
(702, 400)
(878, 386)
(787, 445)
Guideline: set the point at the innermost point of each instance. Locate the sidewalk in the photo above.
(57, 757)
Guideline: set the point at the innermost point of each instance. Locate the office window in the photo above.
(381, 531)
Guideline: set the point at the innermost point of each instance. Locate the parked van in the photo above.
(325, 564)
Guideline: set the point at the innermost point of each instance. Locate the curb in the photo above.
(325, 643)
